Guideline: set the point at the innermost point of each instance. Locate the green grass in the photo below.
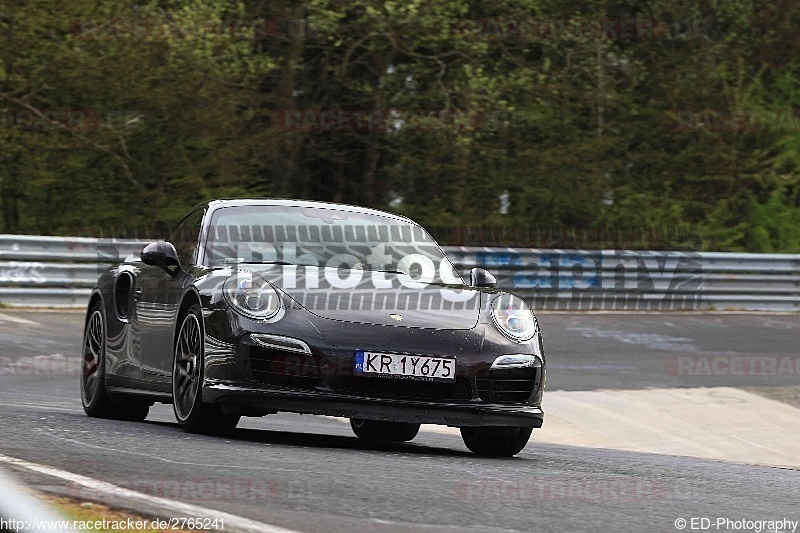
(93, 512)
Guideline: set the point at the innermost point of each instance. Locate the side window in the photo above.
(185, 236)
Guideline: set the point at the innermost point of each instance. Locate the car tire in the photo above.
(97, 403)
(496, 441)
(191, 412)
(375, 430)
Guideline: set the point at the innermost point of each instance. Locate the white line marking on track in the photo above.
(17, 320)
(44, 407)
(232, 522)
(271, 468)
(164, 459)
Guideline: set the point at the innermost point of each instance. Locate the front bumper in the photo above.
(239, 399)
(247, 377)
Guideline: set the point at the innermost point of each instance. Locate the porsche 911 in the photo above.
(257, 306)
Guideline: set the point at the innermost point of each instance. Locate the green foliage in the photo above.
(446, 105)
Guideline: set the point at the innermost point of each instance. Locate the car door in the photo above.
(158, 297)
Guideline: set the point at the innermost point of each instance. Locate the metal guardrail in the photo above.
(641, 280)
(66, 249)
(56, 271)
(60, 271)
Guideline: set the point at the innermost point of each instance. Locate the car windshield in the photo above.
(325, 237)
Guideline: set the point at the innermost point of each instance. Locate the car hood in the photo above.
(387, 302)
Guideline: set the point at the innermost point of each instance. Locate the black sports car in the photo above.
(255, 306)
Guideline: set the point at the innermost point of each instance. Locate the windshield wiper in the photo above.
(269, 263)
(241, 261)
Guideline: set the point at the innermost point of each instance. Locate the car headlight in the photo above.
(513, 318)
(251, 296)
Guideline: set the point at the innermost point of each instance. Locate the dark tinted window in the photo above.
(185, 237)
(315, 236)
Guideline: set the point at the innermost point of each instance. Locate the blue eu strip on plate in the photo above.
(359, 360)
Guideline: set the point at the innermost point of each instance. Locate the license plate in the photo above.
(406, 366)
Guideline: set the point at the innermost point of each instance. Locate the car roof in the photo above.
(236, 202)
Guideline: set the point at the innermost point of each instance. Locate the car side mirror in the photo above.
(163, 255)
(479, 277)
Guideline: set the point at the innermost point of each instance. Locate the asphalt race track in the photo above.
(311, 474)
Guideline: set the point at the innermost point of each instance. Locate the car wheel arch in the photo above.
(93, 299)
(190, 298)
